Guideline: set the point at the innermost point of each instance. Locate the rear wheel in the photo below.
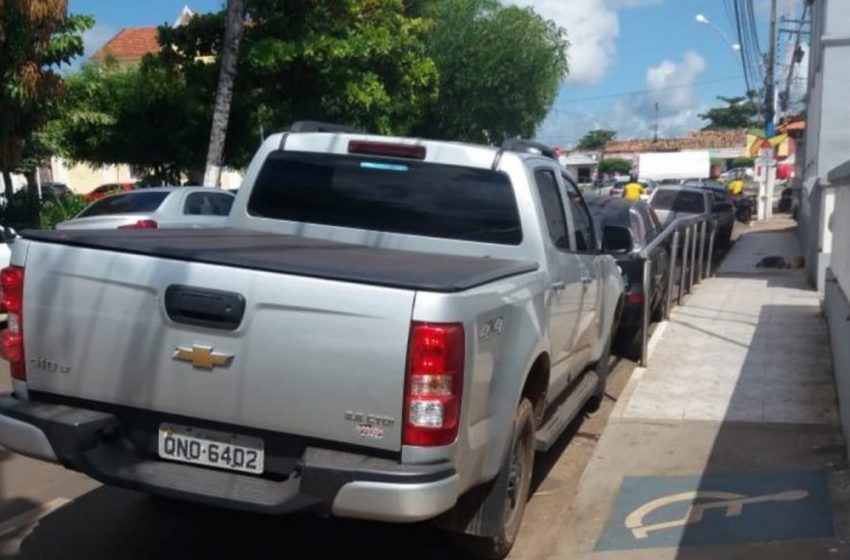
(602, 368)
(660, 310)
(509, 492)
(628, 343)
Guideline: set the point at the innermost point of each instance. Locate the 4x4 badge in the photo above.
(202, 357)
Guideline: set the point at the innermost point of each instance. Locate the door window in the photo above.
(582, 224)
(208, 204)
(553, 207)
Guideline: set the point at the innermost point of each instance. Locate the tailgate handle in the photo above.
(201, 307)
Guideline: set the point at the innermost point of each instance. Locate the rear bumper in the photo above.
(322, 480)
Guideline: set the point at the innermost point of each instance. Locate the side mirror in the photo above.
(723, 207)
(616, 239)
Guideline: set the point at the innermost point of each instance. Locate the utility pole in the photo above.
(655, 137)
(769, 102)
(768, 161)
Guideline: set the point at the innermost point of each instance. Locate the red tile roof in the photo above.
(130, 43)
(699, 140)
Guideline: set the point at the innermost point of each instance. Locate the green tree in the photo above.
(36, 37)
(360, 63)
(742, 162)
(738, 113)
(146, 116)
(499, 70)
(596, 139)
(615, 165)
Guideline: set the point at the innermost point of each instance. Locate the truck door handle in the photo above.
(202, 307)
(558, 286)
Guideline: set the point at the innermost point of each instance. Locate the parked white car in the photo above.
(161, 207)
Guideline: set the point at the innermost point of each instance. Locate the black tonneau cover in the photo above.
(297, 255)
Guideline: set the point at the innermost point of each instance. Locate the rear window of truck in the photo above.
(398, 196)
(679, 201)
(130, 203)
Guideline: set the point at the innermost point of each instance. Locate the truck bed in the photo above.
(297, 255)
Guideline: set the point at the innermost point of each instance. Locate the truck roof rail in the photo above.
(319, 126)
(528, 147)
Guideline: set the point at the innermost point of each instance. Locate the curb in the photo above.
(637, 374)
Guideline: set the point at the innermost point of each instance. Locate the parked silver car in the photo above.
(671, 202)
(722, 207)
(161, 207)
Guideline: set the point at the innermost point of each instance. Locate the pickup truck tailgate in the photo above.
(307, 351)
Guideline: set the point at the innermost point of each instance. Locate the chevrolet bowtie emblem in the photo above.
(202, 357)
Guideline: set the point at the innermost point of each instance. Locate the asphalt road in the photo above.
(47, 513)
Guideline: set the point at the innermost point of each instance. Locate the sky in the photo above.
(625, 56)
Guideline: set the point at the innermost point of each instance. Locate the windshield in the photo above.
(409, 197)
(679, 201)
(130, 203)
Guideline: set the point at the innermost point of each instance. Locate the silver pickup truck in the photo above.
(387, 329)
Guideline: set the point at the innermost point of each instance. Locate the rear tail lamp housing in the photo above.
(433, 384)
(12, 337)
(141, 224)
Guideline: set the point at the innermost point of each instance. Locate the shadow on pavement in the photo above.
(110, 523)
(10, 507)
(772, 485)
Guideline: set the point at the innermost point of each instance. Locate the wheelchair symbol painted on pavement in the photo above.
(731, 502)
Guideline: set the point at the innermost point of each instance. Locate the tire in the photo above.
(628, 343)
(725, 240)
(660, 310)
(509, 492)
(602, 369)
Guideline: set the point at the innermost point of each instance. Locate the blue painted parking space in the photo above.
(718, 509)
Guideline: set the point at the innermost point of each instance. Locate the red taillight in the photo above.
(12, 284)
(434, 384)
(12, 338)
(11, 346)
(407, 151)
(141, 224)
(634, 298)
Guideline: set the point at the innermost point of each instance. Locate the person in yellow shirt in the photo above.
(736, 187)
(633, 190)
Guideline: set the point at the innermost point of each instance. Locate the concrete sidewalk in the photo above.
(727, 445)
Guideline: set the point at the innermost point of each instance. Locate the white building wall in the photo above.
(838, 226)
(828, 126)
(827, 175)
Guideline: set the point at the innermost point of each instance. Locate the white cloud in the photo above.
(670, 83)
(95, 38)
(593, 27)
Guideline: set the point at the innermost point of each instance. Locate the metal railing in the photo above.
(696, 229)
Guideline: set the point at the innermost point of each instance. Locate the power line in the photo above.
(739, 31)
(639, 91)
(755, 37)
(727, 7)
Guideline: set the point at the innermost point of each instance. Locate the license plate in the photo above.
(210, 448)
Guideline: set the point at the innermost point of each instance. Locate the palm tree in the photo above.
(233, 29)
